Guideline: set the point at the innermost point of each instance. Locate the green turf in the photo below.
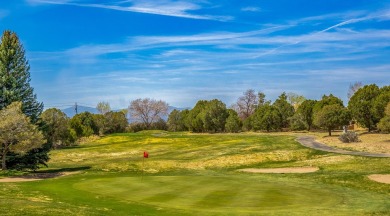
(192, 174)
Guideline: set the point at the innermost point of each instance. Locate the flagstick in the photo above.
(143, 167)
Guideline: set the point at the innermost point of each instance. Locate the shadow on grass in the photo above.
(69, 169)
(70, 147)
(53, 173)
(44, 174)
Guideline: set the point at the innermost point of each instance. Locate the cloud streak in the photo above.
(223, 64)
(180, 9)
(251, 9)
(382, 15)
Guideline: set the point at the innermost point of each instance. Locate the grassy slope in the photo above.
(195, 174)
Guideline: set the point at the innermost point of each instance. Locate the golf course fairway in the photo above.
(199, 174)
(219, 194)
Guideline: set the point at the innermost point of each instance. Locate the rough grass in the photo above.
(196, 174)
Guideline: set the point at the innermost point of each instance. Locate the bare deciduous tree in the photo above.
(148, 110)
(246, 104)
(295, 100)
(353, 88)
(103, 107)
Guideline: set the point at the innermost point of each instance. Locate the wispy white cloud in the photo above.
(150, 42)
(318, 35)
(227, 48)
(183, 9)
(251, 9)
(173, 67)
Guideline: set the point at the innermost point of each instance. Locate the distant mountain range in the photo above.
(71, 111)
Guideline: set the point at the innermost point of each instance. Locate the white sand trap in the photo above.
(18, 179)
(36, 177)
(382, 178)
(281, 170)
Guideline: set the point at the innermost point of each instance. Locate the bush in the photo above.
(135, 127)
(349, 137)
(384, 124)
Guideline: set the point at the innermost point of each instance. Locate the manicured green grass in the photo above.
(196, 174)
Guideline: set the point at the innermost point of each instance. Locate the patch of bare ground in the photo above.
(370, 142)
(281, 170)
(382, 178)
(35, 177)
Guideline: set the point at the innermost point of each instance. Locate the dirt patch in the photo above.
(382, 178)
(35, 177)
(281, 170)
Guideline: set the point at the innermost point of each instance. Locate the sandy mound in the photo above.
(382, 178)
(282, 170)
(35, 177)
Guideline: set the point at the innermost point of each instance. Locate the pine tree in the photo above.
(15, 86)
(15, 77)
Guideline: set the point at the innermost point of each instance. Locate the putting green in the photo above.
(216, 194)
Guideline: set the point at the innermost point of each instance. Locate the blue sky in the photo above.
(88, 51)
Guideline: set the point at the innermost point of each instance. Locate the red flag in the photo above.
(146, 155)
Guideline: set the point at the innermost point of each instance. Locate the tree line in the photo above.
(252, 112)
(27, 134)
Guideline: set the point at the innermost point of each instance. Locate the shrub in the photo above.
(349, 137)
(135, 127)
(384, 124)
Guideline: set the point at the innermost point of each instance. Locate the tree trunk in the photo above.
(330, 131)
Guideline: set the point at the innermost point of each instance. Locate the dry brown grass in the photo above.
(370, 142)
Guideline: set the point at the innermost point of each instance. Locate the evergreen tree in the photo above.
(267, 117)
(15, 86)
(214, 116)
(15, 77)
(361, 105)
(84, 124)
(327, 100)
(194, 118)
(176, 120)
(286, 110)
(233, 122)
(306, 111)
(381, 101)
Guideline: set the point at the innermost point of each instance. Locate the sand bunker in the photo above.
(281, 170)
(382, 178)
(35, 177)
